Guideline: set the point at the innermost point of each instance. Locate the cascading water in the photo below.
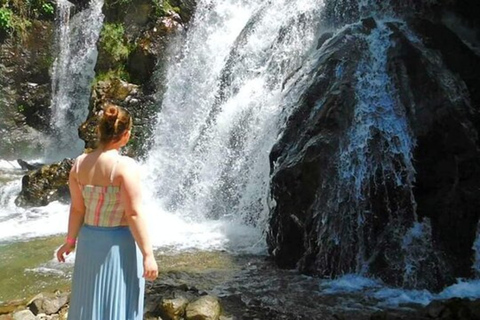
(244, 66)
(222, 111)
(344, 179)
(380, 143)
(72, 74)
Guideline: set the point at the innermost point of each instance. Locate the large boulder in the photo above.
(378, 169)
(204, 308)
(46, 184)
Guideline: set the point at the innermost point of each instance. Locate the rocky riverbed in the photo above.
(219, 285)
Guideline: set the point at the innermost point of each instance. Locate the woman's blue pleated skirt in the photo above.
(107, 277)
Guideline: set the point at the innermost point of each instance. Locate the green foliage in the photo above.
(6, 19)
(39, 9)
(48, 9)
(21, 108)
(164, 8)
(112, 41)
(120, 73)
(16, 15)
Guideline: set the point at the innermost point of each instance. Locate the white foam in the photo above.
(462, 289)
(34, 222)
(393, 297)
(349, 283)
(171, 230)
(6, 164)
(396, 297)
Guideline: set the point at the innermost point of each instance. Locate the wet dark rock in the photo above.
(187, 9)
(324, 37)
(369, 24)
(320, 226)
(34, 103)
(44, 185)
(447, 151)
(80, 4)
(456, 308)
(149, 54)
(384, 315)
(25, 90)
(28, 166)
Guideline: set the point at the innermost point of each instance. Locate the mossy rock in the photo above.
(48, 183)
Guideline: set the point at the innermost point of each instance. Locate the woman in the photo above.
(106, 214)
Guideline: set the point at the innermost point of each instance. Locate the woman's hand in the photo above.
(65, 249)
(150, 268)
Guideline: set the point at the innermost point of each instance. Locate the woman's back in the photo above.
(106, 215)
(99, 179)
(99, 168)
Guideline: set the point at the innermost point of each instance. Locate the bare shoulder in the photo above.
(125, 160)
(77, 162)
(127, 165)
(80, 157)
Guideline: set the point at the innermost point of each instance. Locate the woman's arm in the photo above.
(76, 217)
(131, 195)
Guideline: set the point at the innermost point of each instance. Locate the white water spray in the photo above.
(72, 74)
(221, 114)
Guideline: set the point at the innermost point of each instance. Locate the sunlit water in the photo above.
(206, 179)
(72, 74)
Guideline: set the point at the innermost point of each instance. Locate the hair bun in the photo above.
(110, 113)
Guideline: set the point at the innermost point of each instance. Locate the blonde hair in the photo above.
(114, 122)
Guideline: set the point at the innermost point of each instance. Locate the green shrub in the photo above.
(119, 73)
(16, 15)
(6, 19)
(112, 41)
(47, 9)
(163, 8)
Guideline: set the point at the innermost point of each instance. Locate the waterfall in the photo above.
(72, 73)
(222, 109)
(380, 143)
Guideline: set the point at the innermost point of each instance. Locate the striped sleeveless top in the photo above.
(103, 205)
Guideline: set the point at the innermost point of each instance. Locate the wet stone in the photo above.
(174, 309)
(204, 308)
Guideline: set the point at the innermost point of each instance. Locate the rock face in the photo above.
(128, 95)
(377, 170)
(147, 32)
(47, 184)
(25, 90)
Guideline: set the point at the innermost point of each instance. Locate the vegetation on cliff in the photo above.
(16, 15)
